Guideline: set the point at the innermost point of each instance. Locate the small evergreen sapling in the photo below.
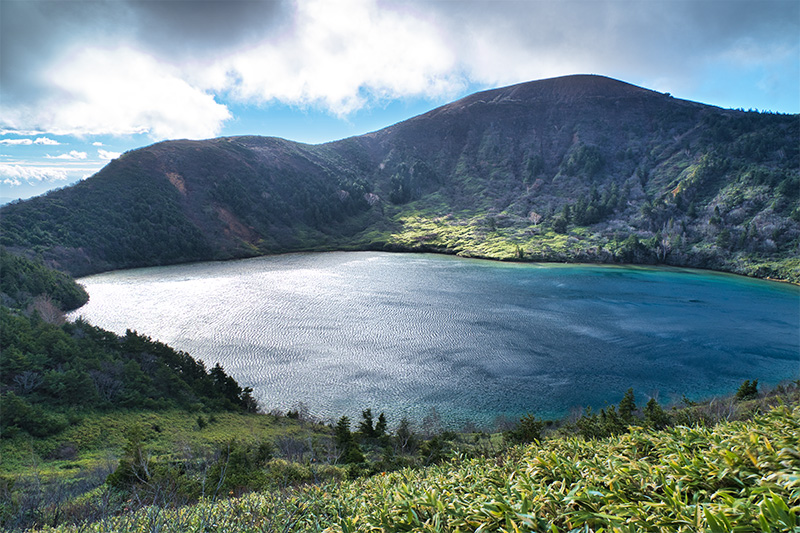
(747, 391)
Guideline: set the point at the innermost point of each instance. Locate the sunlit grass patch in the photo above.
(94, 439)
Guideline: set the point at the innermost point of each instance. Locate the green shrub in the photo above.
(19, 414)
(747, 390)
(283, 473)
(529, 429)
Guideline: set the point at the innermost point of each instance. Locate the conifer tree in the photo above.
(627, 406)
(655, 416)
(351, 452)
(366, 427)
(748, 390)
(381, 426)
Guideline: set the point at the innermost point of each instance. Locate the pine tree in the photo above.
(612, 423)
(381, 426)
(627, 406)
(366, 427)
(654, 416)
(342, 433)
(351, 452)
(529, 429)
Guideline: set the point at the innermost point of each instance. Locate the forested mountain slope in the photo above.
(24, 282)
(51, 369)
(579, 168)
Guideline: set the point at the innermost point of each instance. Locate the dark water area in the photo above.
(474, 340)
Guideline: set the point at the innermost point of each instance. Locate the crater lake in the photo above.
(406, 334)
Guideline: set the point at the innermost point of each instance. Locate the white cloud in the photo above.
(28, 142)
(119, 91)
(674, 46)
(341, 56)
(17, 174)
(72, 155)
(97, 143)
(19, 131)
(105, 154)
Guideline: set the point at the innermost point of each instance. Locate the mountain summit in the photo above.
(561, 90)
(577, 168)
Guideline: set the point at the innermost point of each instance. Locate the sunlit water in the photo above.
(475, 340)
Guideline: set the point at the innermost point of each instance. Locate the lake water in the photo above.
(405, 333)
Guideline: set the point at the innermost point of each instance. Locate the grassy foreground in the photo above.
(735, 476)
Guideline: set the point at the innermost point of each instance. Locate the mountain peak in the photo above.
(563, 89)
(569, 90)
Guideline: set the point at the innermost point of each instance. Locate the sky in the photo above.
(82, 81)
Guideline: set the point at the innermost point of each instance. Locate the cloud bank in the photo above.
(16, 175)
(72, 155)
(176, 69)
(28, 142)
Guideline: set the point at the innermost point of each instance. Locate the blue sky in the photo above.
(82, 81)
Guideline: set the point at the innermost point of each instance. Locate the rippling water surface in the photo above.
(404, 333)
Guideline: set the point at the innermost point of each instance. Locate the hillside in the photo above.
(24, 282)
(579, 168)
(52, 370)
(737, 476)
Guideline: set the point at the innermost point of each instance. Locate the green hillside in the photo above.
(580, 168)
(24, 282)
(739, 476)
(70, 392)
(47, 367)
(51, 368)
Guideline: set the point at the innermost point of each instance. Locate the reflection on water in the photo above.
(341, 332)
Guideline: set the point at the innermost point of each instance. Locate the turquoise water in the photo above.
(406, 333)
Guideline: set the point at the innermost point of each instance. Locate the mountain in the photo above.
(578, 168)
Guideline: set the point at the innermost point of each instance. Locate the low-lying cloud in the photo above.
(28, 142)
(16, 175)
(73, 155)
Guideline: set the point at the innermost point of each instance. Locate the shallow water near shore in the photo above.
(475, 340)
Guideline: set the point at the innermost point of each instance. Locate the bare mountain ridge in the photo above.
(579, 168)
